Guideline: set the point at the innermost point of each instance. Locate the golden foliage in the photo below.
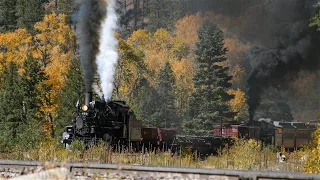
(14, 47)
(184, 72)
(155, 50)
(162, 40)
(237, 73)
(238, 103)
(312, 163)
(187, 27)
(158, 48)
(130, 67)
(54, 46)
(160, 51)
(139, 38)
(235, 50)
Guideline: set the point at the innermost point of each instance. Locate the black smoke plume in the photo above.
(89, 17)
(286, 45)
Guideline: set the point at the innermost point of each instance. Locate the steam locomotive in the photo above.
(112, 121)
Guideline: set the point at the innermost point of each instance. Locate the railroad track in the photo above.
(38, 170)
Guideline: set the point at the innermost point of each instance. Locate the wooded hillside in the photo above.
(176, 57)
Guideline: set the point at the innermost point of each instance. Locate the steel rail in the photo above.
(241, 174)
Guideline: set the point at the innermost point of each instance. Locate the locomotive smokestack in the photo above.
(88, 98)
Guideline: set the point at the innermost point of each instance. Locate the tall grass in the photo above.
(244, 155)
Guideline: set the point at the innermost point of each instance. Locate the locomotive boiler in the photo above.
(110, 121)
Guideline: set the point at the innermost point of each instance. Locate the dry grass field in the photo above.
(244, 155)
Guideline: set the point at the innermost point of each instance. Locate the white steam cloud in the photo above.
(108, 56)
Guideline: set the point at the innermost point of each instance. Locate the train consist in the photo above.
(288, 135)
(115, 123)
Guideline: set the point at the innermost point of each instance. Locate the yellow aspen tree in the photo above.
(312, 164)
(160, 51)
(139, 39)
(54, 46)
(14, 47)
(238, 103)
(187, 27)
(183, 71)
(130, 68)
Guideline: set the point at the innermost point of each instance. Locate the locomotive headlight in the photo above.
(84, 108)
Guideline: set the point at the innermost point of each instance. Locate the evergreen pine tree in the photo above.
(145, 105)
(33, 76)
(30, 132)
(166, 113)
(208, 104)
(72, 92)
(11, 106)
(8, 19)
(28, 13)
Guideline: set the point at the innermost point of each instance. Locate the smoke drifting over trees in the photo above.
(288, 46)
(282, 43)
(89, 18)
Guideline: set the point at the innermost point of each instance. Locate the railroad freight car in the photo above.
(166, 137)
(201, 145)
(289, 135)
(149, 138)
(294, 134)
(157, 138)
(302, 134)
(237, 130)
(278, 134)
(229, 130)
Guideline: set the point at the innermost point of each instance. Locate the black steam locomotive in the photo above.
(112, 121)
